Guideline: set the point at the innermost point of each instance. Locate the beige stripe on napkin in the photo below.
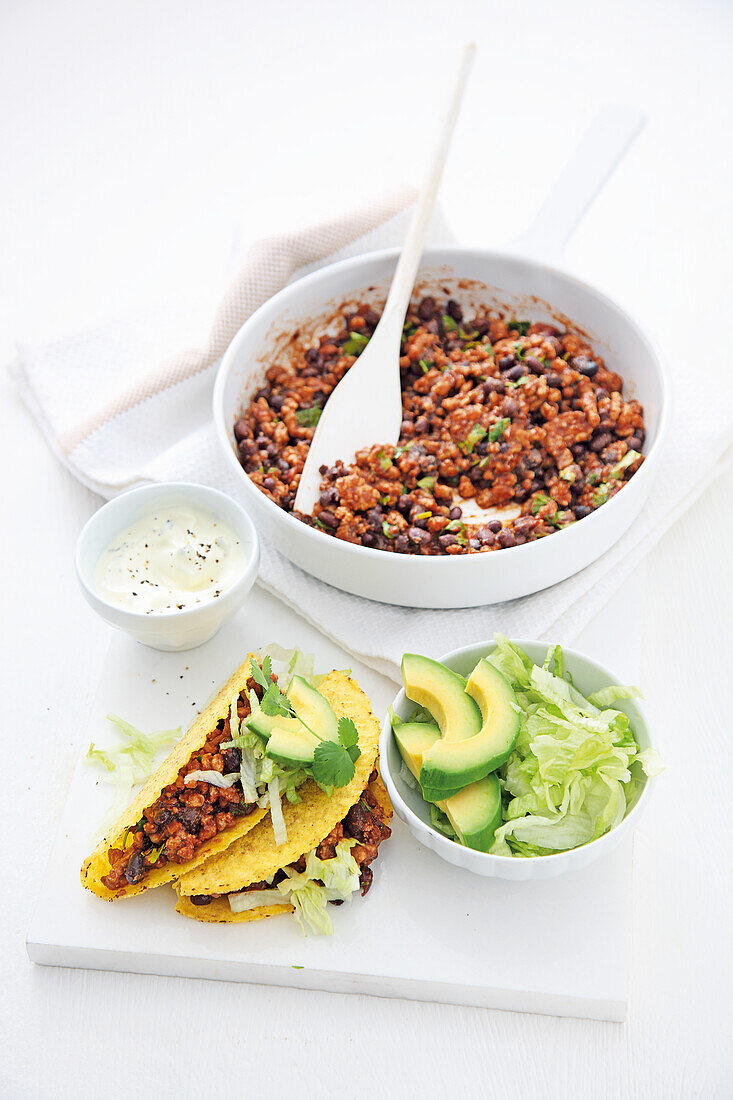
(269, 265)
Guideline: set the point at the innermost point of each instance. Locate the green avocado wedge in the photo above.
(443, 693)
(475, 811)
(290, 740)
(413, 740)
(450, 764)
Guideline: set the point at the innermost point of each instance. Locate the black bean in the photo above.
(455, 513)
(405, 428)
(520, 494)
(516, 372)
(447, 540)
(200, 899)
(262, 441)
(509, 407)
(370, 316)
(580, 511)
(135, 870)
(634, 443)
(481, 327)
(162, 817)
(312, 354)
(505, 538)
(374, 517)
(401, 543)
(584, 365)
(247, 448)
(269, 483)
(454, 310)
(426, 309)
(600, 441)
(494, 525)
(368, 539)
(416, 534)
(486, 535)
(421, 425)
(329, 496)
(404, 504)
(232, 760)
(493, 385)
(276, 401)
(328, 518)
(524, 525)
(506, 362)
(190, 818)
(241, 429)
(283, 465)
(554, 380)
(481, 447)
(261, 393)
(535, 365)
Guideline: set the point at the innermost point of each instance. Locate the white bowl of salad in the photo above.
(569, 753)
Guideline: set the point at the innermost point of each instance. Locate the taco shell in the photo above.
(256, 856)
(96, 865)
(218, 911)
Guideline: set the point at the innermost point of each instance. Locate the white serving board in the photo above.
(426, 930)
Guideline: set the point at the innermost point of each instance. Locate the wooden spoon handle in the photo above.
(409, 261)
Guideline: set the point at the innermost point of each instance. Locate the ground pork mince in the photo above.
(498, 413)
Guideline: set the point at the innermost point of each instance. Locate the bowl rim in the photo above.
(416, 823)
(153, 491)
(461, 561)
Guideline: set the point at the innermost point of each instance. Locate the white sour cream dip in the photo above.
(170, 560)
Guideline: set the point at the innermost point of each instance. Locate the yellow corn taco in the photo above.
(97, 866)
(319, 828)
(217, 909)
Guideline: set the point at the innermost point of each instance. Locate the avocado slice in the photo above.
(443, 693)
(450, 764)
(290, 740)
(413, 740)
(475, 811)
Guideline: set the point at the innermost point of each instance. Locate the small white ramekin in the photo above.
(169, 630)
(588, 676)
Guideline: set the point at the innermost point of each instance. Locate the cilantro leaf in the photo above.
(349, 737)
(332, 764)
(258, 675)
(308, 418)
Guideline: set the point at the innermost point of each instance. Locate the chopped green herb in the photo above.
(522, 327)
(568, 474)
(448, 323)
(308, 418)
(423, 515)
(539, 501)
(593, 477)
(355, 344)
(426, 483)
(408, 329)
(384, 499)
(467, 335)
(389, 529)
(497, 430)
(476, 434)
(402, 448)
(425, 365)
(384, 460)
(519, 351)
(601, 494)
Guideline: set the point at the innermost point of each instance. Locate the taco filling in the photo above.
(331, 873)
(207, 797)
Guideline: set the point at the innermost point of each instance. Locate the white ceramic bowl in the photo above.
(171, 630)
(408, 804)
(522, 286)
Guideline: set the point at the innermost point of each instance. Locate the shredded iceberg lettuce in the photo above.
(214, 778)
(323, 880)
(130, 764)
(572, 775)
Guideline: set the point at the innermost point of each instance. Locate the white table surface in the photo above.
(134, 138)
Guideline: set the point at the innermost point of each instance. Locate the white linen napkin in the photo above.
(119, 413)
